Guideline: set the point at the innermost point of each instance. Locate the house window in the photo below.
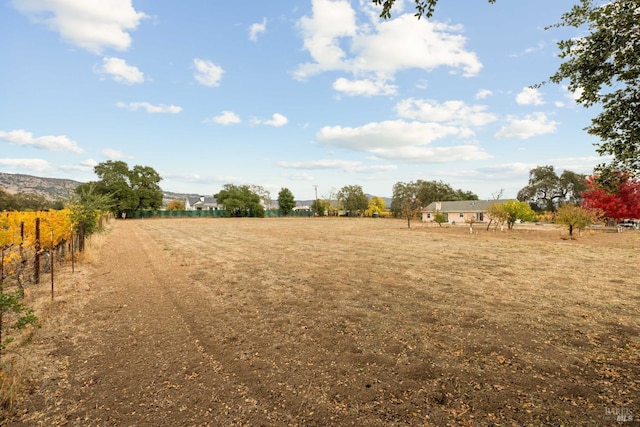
(428, 216)
(481, 216)
(461, 214)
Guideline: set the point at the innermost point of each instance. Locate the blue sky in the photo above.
(291, 94)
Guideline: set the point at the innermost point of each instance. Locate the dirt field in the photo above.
(320, 322)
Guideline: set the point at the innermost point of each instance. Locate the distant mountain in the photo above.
(49, 188)
(54, 188)
(168, 196)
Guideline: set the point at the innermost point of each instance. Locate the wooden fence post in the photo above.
(52, 262)
(81, 236)
(36, 260)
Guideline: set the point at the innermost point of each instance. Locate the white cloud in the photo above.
(150, 108)
(207, 73)
(377, 168)
(320, 164)
(120, 71)
(483, 93)
(112, 154)
(89, 163)
(344, 165)
(529, 96)
(450, 112)
(573, 96)
(529, 50)
(257, 28)
(49, 142)
(299, 176)
(379, 47)
(93, 25)
(515, 169)
(426, 154)
(83, 166)
(364, 87)
(38, 165)
(330, 21)
(527, 127)
(199, 179)
(387, 134)
(277, 120)
(402, 140)
(584, 164)
(226, 118)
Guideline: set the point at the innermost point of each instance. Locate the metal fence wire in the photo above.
(215, 213)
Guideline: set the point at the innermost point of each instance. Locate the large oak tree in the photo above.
(603, 67)
(240, 200)
(547, 190)
(353, 199)
(129, 189)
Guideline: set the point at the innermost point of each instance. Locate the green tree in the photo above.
(402, 191)
(405, 202)
(7, 201)
(240, 201)
(376, 205)
(31, 202)
(144, 182)
(603, 67)
(437, 191)
(546, 190)
(320, 206)
(512, 211)
(426, 192)
(423, 7)
(440, 218)
(574, 217)
(353, 199)
(286, 201)
(130, 189)
(86, 206)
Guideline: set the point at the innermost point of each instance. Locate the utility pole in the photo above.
(316, 188)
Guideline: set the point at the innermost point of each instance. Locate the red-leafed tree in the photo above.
(619, 199)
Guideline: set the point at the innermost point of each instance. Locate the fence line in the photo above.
(215, 213)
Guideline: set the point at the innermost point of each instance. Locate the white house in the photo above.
(460, 211)
(201, 203)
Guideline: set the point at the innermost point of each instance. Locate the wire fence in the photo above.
(213, 213)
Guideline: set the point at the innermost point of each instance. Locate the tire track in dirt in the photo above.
(132, 359)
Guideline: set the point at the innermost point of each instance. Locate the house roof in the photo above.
(463, 206)
(197, 201)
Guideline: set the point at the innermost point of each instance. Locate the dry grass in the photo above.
(362, 321)
(11, 383)
(25, 363)
(520, 326)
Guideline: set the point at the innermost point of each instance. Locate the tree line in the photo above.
(566, 197)
(26, 202)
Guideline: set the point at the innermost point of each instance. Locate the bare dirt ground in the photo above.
(319, 322)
